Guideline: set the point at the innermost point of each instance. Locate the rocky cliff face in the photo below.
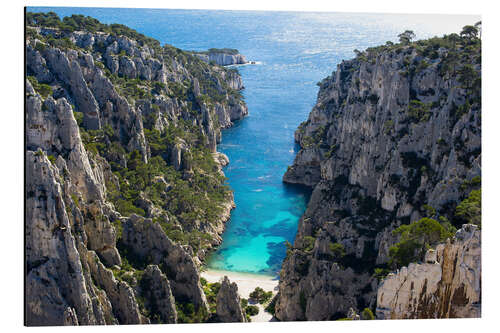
(228, 303)
(124, 188)
(395, 132)
(446, 285)
(223, 59)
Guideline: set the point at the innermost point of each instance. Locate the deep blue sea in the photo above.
(294, 50)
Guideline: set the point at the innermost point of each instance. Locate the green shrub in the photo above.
(289, 248)
(308, 243)
(203, 281)
(337, 249)
(244, 303)
(43, 89)
(271, 307)
(31, 33)
(78, 117)
(418, 111)
(40, 47)
(75, 199)
(52, 159)
(211, 290)
(158, 87)
(61, 43)
(468, 76)
(367, 314)
(469, 210)
(307, 142)
(380, 273)
(473, 183)
(177, 90)
(49, 19)
(252, 310)
(260, 295)
(81, 22)
(422, 65)
(429, 210)
(447, 225)
(415, 239)
(127, 208)
(330, 152)
(186, 313)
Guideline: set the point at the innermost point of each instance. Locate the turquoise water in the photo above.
(295, 50)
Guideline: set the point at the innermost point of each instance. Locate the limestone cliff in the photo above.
(395, 136)
(228, 303)
(222, 57)
(124, 189)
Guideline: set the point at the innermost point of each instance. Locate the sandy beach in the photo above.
(247, 282)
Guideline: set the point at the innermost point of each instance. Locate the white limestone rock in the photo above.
(446, 285)
(228, 303)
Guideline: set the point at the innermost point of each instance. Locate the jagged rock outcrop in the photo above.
(233, 79)
(446, 285)
(228, 303)
(115, 125)
(158, 295)
(56, 293)
(51, 126)
(66, 68)
(395, 130)
(120, 294)
(148, 240)
(322, 290)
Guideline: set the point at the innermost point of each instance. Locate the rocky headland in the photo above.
(392, 150)
(124, 189)
(222, 57)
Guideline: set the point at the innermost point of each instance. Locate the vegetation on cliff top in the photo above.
(136, 88)
(415, 239)
(458, 56)
(469, 210)
(86, 23)
(224, 50)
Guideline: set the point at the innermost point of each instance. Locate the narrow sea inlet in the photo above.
(294, 51)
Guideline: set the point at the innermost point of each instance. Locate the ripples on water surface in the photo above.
(294, 50)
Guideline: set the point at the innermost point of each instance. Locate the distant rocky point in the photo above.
(223, 57)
